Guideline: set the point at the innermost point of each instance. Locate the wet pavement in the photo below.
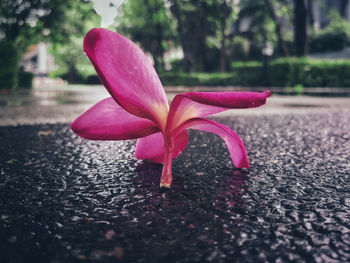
(65, 199)
(63, 105)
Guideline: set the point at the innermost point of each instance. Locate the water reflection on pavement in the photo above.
(60, 105)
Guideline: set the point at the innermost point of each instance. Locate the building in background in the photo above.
(38, 60)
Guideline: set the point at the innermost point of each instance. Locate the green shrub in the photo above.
(289, 72)
(58, 73)
(253, 63)
(8, 65)
(283, 72)
(335, 36)
(198, 79)
(238, 49)
(286, 72)
(179, 79)
(25, 79)
(328, 41)
(178, 65)
(92, 79)
(249, 73)
(298, 89)
(72, 75)
(309, 73)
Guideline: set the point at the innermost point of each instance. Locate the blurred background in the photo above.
(277, 43)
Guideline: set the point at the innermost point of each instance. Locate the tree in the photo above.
(300, 28)
(196, 21)
(151, 25)
(255, 25)
(26, 22)
(225, 11)
(30, 18)
(311, 19)
(278, 29)
(343, 8)
(67, 42)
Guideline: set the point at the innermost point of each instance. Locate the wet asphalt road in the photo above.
(65, 199)
(63, 105)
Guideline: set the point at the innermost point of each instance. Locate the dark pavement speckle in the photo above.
(65, 199)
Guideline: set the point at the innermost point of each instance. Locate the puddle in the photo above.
(304, 106)
(52, 96)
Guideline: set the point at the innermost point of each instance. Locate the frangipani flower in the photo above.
(139, 109)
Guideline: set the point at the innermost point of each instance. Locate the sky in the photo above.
(107, 9)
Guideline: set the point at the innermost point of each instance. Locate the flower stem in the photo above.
(166, 179)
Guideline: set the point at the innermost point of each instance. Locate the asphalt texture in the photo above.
(66, 199)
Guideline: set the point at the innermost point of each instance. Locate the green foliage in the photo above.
(286, 72)
(92, 79)
(246, 64)
(8, 65)
(149, 24)
(298, 89)
(73, 63)
(197, 79)
(212, 59)
(310, 73)
(249, 73)
(178, 65)
(239, 50)
(289, 72)
(198, 23)
(67, 50)
(26, 22)
(10, 75)
(259, 28)
(25, 79)
(200, 27)
(335, 36)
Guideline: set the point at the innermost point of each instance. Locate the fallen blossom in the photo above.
(138, 107)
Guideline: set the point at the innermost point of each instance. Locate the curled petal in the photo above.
(127, 74)
(106, 120)
(152, 147)
(200, 104)
(233, 142)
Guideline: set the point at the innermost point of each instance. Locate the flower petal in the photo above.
(200, 104)
(106, 120)
(127, 74)
(234, 143)
(152, 147)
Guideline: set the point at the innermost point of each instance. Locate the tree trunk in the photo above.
(189, 56)
(311, 19)
(281, 42)
(300, 28)
(193, 27)
(158, 49)
(223, 27)
(202, 33)
(343, 8)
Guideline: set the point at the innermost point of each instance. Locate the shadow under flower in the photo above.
(224, 195)
(148, 176)
(231, 192)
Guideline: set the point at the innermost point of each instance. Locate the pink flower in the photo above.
(139, 107)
